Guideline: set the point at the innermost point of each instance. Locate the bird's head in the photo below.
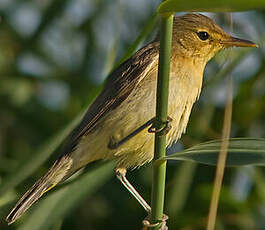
(196, 35)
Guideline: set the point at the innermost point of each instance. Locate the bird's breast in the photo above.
(136, 110)
(185, 87)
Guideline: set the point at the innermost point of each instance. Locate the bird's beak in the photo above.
(232, 41)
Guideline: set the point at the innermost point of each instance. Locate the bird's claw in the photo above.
(162, 131)
(147, 224)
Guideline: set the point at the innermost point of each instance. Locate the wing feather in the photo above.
(118, 87)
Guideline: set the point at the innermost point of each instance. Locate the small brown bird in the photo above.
(116, 124)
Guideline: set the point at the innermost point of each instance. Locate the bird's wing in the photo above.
(119, 85)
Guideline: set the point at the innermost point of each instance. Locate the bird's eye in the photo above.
(203, 35)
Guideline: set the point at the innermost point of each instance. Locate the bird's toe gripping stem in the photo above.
(147, 224)
(162, 131)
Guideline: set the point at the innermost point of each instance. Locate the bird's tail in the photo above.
(56, 173)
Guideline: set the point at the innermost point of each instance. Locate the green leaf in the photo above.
(171, 6)
(241, 151)
(56, 205)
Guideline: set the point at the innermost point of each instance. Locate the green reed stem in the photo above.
(159, 169)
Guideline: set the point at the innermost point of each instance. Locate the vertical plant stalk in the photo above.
(159, 169)
(221, 160)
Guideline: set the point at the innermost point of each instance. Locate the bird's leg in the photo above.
(121, 175)
(163, 130)
(115, 145)
(152, 129)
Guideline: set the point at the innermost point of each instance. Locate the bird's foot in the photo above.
(164, 130)
(163, 223)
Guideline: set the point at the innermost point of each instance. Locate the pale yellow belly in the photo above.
(138, 108)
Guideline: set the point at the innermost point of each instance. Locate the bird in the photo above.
(118, 124)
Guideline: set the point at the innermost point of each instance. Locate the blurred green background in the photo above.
(54, 58)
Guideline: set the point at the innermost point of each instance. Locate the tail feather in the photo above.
(56, 173)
